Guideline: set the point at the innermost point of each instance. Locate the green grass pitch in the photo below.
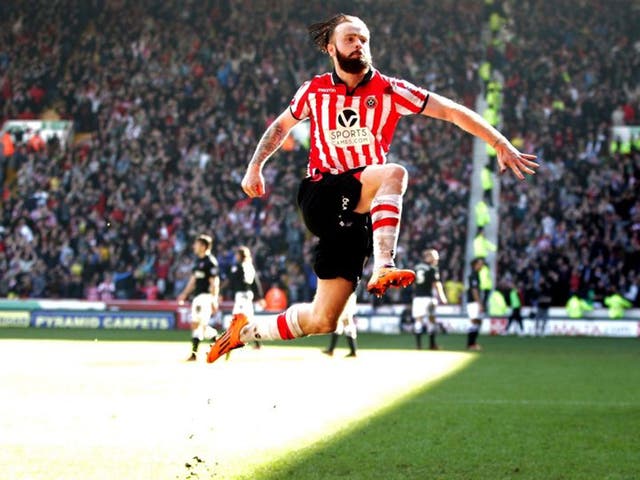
(104, 405)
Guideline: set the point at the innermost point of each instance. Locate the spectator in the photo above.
(149, 290)
(107, 288)
(482, 246)
(486, 181)
(616, 304)
(515, 302)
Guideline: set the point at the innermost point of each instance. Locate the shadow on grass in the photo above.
(525, 408)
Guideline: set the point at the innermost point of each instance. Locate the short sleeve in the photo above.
(408, 98)
(299, 105)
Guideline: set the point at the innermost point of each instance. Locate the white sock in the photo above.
(283, 327)
(385, 218)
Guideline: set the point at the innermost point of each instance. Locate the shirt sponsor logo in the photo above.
(349, 132)
(348, 118)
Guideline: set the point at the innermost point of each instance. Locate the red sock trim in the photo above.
(385, 206)
(283, 328)
(385, 222)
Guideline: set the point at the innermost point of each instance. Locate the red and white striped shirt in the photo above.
(354, 129)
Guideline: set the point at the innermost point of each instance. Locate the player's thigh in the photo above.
(201, 308)
(374, 176)
(473, 310)
(419, 307)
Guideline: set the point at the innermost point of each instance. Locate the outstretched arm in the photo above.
(253, 181)
(508, 156)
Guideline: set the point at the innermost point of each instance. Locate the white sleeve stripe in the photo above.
(409, 95)
(297, 110)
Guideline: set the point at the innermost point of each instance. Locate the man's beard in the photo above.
(354, 65)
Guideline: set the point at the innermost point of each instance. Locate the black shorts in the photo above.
(344, 237)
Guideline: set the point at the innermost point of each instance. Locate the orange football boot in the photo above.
(386, 277)
(229, 339)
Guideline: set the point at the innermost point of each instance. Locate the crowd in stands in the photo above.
(168, 101)
(569, 69)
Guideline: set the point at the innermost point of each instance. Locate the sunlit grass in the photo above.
(135, 410)
(524, 408)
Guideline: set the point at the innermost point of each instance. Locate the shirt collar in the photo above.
(367, 77)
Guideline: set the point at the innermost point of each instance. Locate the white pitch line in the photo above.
(525, 402)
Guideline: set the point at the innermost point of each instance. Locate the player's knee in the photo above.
(396, 172)
(324, 322)
(326, 326)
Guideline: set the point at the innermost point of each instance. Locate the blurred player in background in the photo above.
(245, 285)
(346, 325)
(204, 283)
(515, 303)
(543, 298)
(351, 198)
(475, 306)
(424, 301)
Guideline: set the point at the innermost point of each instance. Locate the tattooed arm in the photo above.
(253, 181)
